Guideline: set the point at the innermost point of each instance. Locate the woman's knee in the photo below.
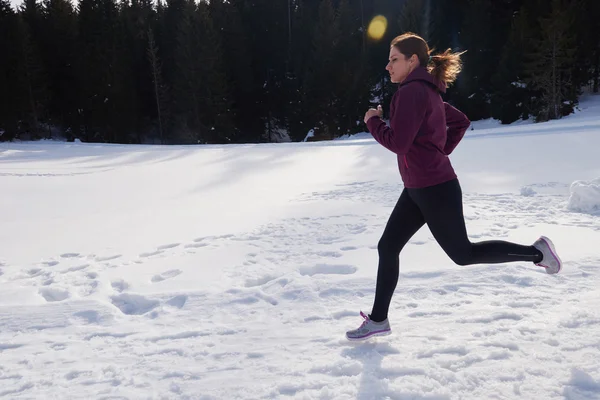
(462, 256)
(387, 247)
(461, 259)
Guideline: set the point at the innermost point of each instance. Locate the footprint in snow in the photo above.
(168, 246)
(344, 314)
(133, 304)
(203, 240)
(150, 253)
(115, 335)
(70, 255)
(159, 250)
(50, 263)
(195, 245)
(76, 268)
(251, 298)
(178, 336)
(166, 275)
(328, 269)
(493, 318)
(9, 346)
(337, 292)
(459, 351)
(75, 374)
(52, 295)
(107, 258)
(177, 301)
(89, 287)
(88, 316)
(420, 314)
(259, 281)
(332, 254)
(119, 285)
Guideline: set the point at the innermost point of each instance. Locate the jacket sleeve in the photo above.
(457, 123)
(409, 107)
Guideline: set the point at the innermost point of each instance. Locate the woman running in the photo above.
(423, 131)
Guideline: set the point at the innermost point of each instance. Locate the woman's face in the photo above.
(399, 66)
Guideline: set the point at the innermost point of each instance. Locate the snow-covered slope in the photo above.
(232, 272)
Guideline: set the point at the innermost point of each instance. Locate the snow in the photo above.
(311, 133)
(233, 271)
(585, 196)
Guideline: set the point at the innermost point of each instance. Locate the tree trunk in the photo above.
(152, 50)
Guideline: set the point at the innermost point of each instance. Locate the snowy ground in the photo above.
(232, 272)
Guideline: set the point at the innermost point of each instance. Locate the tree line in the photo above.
(239, 71)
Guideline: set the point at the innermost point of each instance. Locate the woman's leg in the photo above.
(406, 219)
(442, 208)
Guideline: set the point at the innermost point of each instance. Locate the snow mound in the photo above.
(527, 191)
(585, 196)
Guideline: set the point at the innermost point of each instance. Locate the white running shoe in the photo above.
(369, 329)
(550, 261)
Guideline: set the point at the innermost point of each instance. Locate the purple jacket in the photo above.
(423, 130)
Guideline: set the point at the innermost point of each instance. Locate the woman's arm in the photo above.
(409, 104)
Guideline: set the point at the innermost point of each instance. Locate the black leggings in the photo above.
(441, 208)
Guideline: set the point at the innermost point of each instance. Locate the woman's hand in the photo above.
(373, 113)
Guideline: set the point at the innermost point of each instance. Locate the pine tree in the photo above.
(353, 83)
(593, 10)
(59, 59)
(157, 82)
(266, 23)
(98, 69)
(215, 90)
(33, 79)
(200, 88)
(169, 18)
(10, 109)
(238, 60)
(319, 87)
(587, 52)
(510, 95)
(479, 61)
(300, 121)
(414, 17)
(549, 67)
(446, 22)
(136, 98)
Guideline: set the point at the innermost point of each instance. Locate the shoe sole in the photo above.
(380, 333)
(553, 251)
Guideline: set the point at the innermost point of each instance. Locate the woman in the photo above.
(423, 131)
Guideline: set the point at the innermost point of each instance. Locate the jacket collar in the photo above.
(421, 74)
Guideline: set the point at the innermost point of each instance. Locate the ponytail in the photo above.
(445, 66)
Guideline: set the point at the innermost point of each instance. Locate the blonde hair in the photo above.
(444, 67)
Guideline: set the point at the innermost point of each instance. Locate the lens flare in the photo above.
(377, 27)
